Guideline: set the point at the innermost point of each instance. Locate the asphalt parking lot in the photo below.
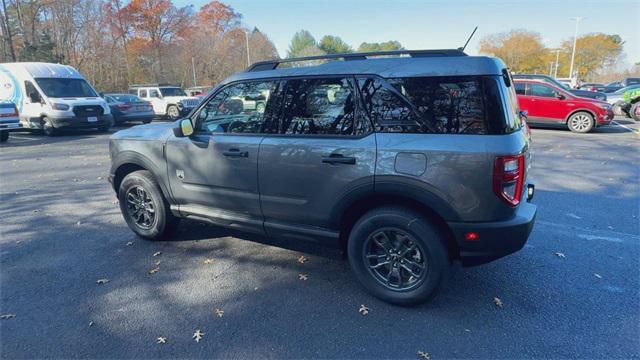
(572, 292)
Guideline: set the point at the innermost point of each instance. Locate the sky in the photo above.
(437, 24)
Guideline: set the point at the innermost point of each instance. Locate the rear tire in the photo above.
(47, 127)
(581, 122)
(4, 136)
(144, 207)
(398, 255)
(635, 111)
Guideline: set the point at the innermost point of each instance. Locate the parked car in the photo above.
(405, 169)
(592, 87)
(127, 107)
(9, 119)
(617, 102)
(549, 105)
(167, 100)
(617, 85)
(582, 93)
(53, 97)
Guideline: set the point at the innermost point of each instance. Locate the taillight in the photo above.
(13, 113)
(508, 178)
(123, 107)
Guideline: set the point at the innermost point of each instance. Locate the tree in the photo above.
(334, 45)
(303, 44)
(384, 46)
(522, 50)
(594, 53)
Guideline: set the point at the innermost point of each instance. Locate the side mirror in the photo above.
(183, 128)
(523, 114)
(35, 97)
(560, 96)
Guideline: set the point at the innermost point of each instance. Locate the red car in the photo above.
(549, 105)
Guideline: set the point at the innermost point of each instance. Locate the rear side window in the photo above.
(439, 105)
(319, 107)
(520, 88)
(541, 90)
(143, 93)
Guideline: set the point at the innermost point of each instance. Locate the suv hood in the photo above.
(153, 131)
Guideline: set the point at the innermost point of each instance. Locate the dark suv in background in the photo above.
(405, 160)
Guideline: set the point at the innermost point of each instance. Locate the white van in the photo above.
(52, 97)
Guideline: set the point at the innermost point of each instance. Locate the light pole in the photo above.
(555, 73)
(246, 36)
(193, 69)
(575, 40)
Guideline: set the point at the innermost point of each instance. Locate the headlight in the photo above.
(605, 106)
(61, 107)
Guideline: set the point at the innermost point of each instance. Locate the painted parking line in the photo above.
(587, 233)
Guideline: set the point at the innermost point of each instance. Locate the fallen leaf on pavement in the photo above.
(207, 261)
(497, 301)
(161, 340)
(157, 262)
(363, 310)
(561, 255)
(102, 281)
(302, 259)
(598, 275)
(154, 270)
(303, 277)
(197, 336)
(219, 312)
(157, 253)
(130, 243)
(424, 355)
(7, 316)
(90, 323)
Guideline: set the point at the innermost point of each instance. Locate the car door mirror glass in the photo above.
(183, 128)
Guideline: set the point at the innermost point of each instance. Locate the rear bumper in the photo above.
(81, 122)
(495, 239)
(10, 126)
(134, 117)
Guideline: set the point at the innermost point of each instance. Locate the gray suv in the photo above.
(405, 160)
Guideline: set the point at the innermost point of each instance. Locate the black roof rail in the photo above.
(273, 64)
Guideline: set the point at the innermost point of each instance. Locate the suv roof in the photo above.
(135, 86)
(418, 63)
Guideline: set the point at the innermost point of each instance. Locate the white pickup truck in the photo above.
(167, 100)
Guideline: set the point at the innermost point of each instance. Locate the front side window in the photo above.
(319, 107)
(541, 90)
(238, 108)
(143, 93)
(31, 89)
(64, 87)
(154, 93)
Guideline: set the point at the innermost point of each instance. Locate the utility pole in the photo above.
(246, 36)
(575, 40)
(555, 73)
(193, 69)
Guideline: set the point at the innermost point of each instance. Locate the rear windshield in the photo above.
(125, 98)
(65, 88)
(444, 105)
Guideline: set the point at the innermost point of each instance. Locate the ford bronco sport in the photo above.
(406, 161)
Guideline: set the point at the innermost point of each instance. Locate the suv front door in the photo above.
(544, 106)
(322, 152)
(213, 173)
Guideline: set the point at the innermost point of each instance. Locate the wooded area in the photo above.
(115, 43)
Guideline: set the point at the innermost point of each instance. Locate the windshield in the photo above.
(125, 97)
(172, 92)
(65, 88)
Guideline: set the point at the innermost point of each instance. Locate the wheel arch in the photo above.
(401, 195)
(128, 162)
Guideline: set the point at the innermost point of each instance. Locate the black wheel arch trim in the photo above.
(133, 158)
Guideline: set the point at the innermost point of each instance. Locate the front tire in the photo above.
(144, 208)
(635, 111)
(173, 112)
(47, 127)
(581, 122)
(398, 255)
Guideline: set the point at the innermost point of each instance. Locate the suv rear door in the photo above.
(213, 173)
(321, 152)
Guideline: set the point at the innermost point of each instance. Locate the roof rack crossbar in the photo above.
(273, 64)
(156, 84)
